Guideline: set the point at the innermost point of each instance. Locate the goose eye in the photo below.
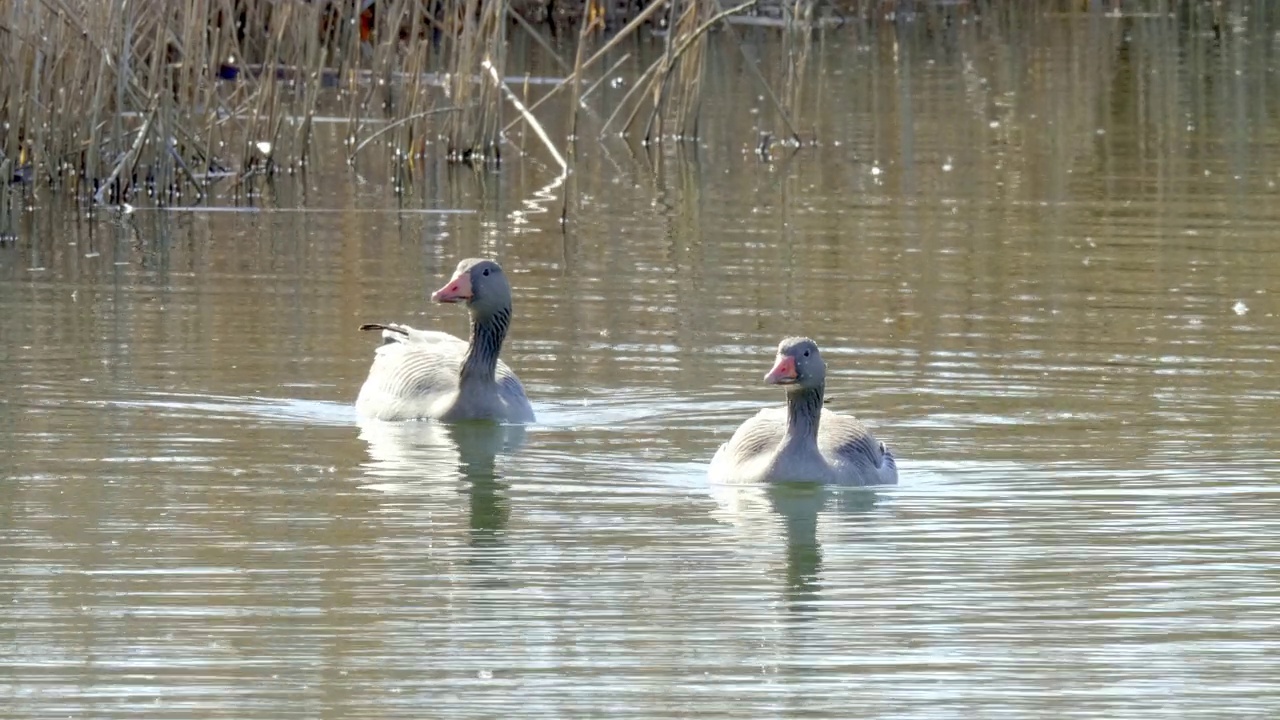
(806, 353)
(486, 272)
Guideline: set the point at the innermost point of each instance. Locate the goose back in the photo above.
(415, 374)
(848, 454)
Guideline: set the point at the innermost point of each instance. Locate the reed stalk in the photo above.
(116, 100)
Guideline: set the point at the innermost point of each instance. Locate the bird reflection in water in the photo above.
(791, 510)
(429, 458)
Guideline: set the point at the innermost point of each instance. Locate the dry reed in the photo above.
(120, 101)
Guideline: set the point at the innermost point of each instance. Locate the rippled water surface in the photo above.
(1040, 262)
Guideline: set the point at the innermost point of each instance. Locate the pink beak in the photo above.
(783, 372)
(457, 289)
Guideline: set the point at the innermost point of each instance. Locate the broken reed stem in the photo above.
(537, 37)
(655, 67)
(395, 125)
(528, 116)
(619, 37)
(128, 158)
(777, 105)
(640, 84)
(604, 76)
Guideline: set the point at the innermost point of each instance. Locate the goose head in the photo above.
(480, 283)
(798, 364)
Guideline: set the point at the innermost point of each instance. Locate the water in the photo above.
(1041, 264)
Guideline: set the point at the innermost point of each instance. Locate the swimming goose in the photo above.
(430, 374)
(803, 441)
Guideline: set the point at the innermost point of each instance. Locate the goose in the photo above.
(420, 374)
(803, 441)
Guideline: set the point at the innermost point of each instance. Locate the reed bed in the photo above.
(121, 101)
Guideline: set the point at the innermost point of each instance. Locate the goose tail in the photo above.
(391, 332)
(888, 469)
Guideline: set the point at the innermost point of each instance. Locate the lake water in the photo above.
(1041, 262)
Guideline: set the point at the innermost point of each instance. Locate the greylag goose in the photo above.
(803, 441)
(430, 374)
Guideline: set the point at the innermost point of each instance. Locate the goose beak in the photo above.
(457, 289)
(783, 372)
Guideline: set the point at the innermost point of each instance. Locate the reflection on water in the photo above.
(790, 512)
(423, 457)
(1039, 247)
(436, 451)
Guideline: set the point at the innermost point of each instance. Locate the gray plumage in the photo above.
(803, 441)
(430, 374)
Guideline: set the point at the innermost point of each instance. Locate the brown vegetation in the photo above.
(117, 100)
